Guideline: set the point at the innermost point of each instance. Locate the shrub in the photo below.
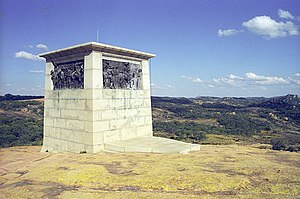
(278, 144)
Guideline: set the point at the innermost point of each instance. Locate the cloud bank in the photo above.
(193, 79)
(248, 80)
(228, 32)
(284, 14)
(27, 55)
(267, 27)
(42, 46)
(30, 56)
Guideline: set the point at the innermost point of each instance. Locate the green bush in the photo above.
(278, 144)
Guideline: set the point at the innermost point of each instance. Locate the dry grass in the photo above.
(214, 172)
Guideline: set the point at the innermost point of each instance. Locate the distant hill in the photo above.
(243, 101)
(280, 102)
(19, 97)
(287, 107)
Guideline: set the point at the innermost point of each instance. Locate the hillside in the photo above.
(212, 120)
(227, 171)
(205, 120)
(21, 122)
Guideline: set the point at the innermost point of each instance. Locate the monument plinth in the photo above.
(94, 94)
(97, 97)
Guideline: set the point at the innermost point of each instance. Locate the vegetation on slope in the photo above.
(230, 120)
(21, 123)
(18, 131)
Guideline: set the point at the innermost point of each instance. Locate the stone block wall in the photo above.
(78, 120)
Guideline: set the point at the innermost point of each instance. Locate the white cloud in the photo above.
(231, 76)
(162, 87)
(193, 79)
(248, 84)
(228, 32)
(259, 79)
(296, 81)
(36, 71)
(226, 81)
(284, 14)
(8, 84)
(264, 25)
(27, 55)
(248, 80)
(297, 74)
(42, 46)
(196, 80)
(229, 80)
(253, 76)
(295, 78)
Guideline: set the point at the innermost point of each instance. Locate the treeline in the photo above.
(19, 97)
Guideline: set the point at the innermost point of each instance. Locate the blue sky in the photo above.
(203, 48)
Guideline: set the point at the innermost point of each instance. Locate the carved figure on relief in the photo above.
(69, 75)
(121, 75)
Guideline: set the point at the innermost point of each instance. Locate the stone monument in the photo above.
(97, 95)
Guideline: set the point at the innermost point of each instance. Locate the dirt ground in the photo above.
(214, 172)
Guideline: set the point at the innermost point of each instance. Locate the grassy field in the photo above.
(221, 171)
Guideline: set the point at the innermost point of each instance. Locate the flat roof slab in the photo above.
(151, 144)
(87, 47)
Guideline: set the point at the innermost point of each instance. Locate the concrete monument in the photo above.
(97, 97)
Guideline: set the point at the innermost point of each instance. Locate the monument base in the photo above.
(97, 98)
(152, 145)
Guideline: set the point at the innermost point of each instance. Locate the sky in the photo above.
(203, 47)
